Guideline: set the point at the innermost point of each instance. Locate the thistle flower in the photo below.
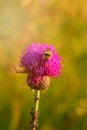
(39, 62)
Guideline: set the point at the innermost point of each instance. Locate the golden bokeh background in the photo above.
(64, 25)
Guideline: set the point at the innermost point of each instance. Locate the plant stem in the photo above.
(35, 111)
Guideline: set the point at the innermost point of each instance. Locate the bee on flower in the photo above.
(39, 62)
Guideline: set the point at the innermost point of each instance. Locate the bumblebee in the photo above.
(47, 54)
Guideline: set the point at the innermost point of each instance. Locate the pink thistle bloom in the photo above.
(39, 60)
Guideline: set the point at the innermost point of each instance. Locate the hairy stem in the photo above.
(35, 111)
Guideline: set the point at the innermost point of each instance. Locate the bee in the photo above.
(47, 54)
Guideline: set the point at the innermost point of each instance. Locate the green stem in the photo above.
(35, 111)
(37, 98)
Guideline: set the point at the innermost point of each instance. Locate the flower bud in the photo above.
(42, 85)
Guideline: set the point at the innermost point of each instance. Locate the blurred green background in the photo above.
(64, 25)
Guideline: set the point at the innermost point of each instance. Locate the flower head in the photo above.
(39, 61)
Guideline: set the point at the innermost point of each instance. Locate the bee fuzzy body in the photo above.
(47, 54)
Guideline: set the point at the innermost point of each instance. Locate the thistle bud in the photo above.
(42, 85)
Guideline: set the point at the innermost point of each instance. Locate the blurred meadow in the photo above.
(64, 25)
